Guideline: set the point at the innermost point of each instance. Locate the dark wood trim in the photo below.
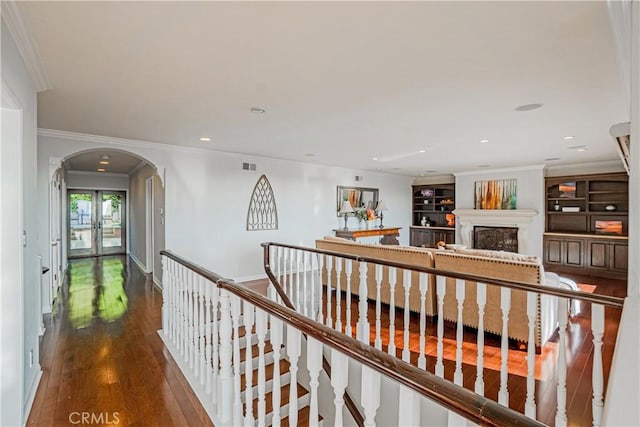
(473, 407)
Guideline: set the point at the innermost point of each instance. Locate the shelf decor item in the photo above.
(567, 190)
(495, 194)
(609, 227)
(571, 209)
(610, 208)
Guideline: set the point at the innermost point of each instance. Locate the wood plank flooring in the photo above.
(101, 354)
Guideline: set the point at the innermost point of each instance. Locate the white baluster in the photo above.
(423, 279)
(171, 301)
(339, 378)
(505, 306)
(197, 325)
(183, 311)
(225, 393)
(561, 411)
(293, 351)
(191, 323)
(215, 340)
(378, 342)
(279, 270)
(208, 344)
(236, 311)
(291, 273)
(297, 284)
(261, 330)
(481, 299)
(248, 316)
(393, 274)
(441, 284)
(407, 288)
(370, 394)
(329, 289)
(532, 314)
(362, 327)
(597, 327)
(314, 364)
(338, 294)
(165, 298)
(408, 407)
(348, 268)
(275, 332)
(319, 267)
(460, 295)
(305, 272)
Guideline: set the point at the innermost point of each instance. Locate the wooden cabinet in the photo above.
(586, 224)
(434, 203)
(428, 237)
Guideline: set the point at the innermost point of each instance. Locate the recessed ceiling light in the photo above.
(582, 150)
(310, 155)
(484, 141)
(550, 159)
(483, 166)
(104, 162)
(528, 107)
(105, 157)
(205, 139)
(578, 147)
(431, 171)
(257, 110)
(100, 169)
(567, 138)
(374, 158)
(422, 151)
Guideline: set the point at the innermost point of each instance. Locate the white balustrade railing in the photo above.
(337, 288)
(240, 350)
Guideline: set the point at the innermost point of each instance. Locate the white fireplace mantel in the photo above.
(518, 218)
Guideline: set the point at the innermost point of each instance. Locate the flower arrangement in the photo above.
(366, 214)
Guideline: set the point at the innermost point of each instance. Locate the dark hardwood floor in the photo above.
(101, 354)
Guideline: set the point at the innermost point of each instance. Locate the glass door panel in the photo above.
(112, 222)
(81, 223)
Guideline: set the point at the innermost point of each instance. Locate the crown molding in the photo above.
(12, 17)
(118, 142)
(606, 166)
(501, 170)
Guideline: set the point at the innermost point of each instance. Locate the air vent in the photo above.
(248, 166)
(621, 134)
(359, 178)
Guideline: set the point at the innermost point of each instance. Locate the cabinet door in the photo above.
(618, 256)
(553, 250)
(573, 252)
(598, 255)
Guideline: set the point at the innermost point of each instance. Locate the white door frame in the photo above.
(149, 224)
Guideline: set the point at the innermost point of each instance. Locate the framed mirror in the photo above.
(359, 197)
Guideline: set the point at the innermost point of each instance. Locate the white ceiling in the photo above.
(345, 82)
(119, 162)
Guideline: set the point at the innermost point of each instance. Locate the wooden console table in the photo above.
(389, 234)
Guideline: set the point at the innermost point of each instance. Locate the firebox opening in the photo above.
(496, 238)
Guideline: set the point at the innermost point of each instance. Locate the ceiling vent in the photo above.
(248, 166)
(621, 134)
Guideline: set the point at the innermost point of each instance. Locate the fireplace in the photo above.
(495, 238)
(517, 219)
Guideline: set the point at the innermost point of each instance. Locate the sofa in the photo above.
(490, 264)
(402, 254)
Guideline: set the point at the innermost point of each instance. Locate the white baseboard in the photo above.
(157, 282)
(249, 278)
(138, 263)
(32, 396)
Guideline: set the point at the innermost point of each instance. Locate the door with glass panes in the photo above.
(96, 222)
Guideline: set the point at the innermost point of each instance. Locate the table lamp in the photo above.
(345, 210)
(381, 207)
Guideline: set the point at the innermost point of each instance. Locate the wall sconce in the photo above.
(345, 210)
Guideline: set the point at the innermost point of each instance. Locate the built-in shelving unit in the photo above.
(432, 203)
(587, 224)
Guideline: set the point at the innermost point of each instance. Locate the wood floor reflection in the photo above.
(101, 354)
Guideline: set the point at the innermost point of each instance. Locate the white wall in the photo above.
(138, 220)
(207, 196)
(20, 289)
(530, 193)
(97, 180)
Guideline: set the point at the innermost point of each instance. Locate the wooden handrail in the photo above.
(542, 289)
(473, 407)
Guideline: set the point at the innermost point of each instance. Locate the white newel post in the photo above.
(370, 395)
(597, 327)
(532, 313)
(460, 294)
(505, 306)
(225, 394)
(314, 364)
(339, 378)
(406, 281)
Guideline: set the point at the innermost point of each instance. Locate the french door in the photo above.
(96, 222)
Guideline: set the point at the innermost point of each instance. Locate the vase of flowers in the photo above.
(362, 216)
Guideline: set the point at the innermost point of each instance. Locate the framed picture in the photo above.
(609, 227)
(360, 198)
(495, 194)
(427, 192)
(567, 190)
